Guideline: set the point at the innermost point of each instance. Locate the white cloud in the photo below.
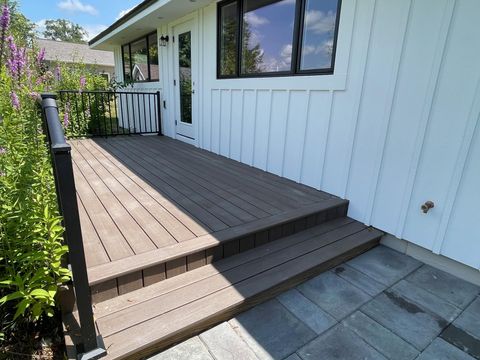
(255, 20)
(77, 6)
(124, 12)
(93, 30)
(286, 52)
(40, 26)
(320, 22)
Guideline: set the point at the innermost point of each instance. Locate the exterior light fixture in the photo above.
(163, 40)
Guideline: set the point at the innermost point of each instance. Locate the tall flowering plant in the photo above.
(31, 244)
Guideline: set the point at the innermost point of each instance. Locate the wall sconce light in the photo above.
(163, 40)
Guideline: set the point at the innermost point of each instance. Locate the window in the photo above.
(140, 59)
(276, 37)
(127, 69)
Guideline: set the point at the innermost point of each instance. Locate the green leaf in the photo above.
(24, 304)
(40, 293)
(12, 296)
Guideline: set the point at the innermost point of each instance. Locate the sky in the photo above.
(93, 15)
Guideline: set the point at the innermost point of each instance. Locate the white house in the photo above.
(375, 101)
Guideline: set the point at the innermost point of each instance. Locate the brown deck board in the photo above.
(136, 330)
(171, 161)
(178, 230)
(148, 201)
(122, 218)
(206, 200)
(222, 205)
(92, 243)
(145, 220)
(112, 239)
(151, 175)
(134, 182)
(250, 181)
(259, 177)
(232, 182)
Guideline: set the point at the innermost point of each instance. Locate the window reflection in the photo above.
(139, 60)
(267, 36)
(318, 34)
(228, 39)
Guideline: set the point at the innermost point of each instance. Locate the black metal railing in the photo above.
(107, 113)
(91, 346)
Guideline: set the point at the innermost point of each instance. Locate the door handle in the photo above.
(427, 206)
(193, 91)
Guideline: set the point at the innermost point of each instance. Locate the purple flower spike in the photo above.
(41, 56)
(58, 73)
(3, 151)
(5, 18)
(83, 82)
(15, 101)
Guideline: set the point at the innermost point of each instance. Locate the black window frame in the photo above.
(297, 42)
(129, 44)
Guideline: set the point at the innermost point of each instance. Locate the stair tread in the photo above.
(160, 314)
(114, 269)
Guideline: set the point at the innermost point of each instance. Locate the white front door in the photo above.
(185, 69)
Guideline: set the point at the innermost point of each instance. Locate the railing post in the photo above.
(92, 347)
(159, 110)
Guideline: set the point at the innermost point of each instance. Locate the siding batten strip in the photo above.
(426, 112)
(287, 112)
(307, 121)
(326, 139)
(387, 113)
(353, 132)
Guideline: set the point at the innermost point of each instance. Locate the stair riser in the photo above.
(148, 276)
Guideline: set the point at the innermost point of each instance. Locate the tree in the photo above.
(22, 29)
(64, 30)
(252, 56)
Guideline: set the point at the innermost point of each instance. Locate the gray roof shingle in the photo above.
(71, 52)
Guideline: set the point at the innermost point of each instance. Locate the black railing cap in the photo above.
(56, 133)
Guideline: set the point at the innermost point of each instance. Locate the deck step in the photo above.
(173, 260)
(154, 317)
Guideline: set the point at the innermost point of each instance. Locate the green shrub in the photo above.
(31, 242)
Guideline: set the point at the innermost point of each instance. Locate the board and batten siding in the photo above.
(396, 125)
(402, 130)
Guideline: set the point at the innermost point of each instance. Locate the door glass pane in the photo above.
(318, 34)
(267, 36)
(228, 39)
(185, 76)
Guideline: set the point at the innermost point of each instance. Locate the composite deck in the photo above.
(152, 208)
(178, 239)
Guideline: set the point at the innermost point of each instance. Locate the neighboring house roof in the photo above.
(72, 52)
(140, 72)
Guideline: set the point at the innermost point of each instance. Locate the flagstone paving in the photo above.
(380, 305)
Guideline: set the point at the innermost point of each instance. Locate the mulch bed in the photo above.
(43, 340)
